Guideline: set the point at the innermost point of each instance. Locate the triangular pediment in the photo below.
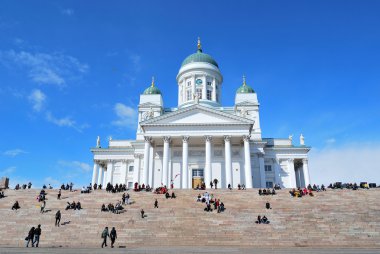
(197, 115)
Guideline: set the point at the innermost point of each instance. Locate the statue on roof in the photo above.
(98, 142)
(302, 140)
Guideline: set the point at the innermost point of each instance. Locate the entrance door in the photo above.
(197, 177)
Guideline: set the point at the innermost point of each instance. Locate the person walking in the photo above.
(216, 181)
(113, 236)
(104, 236)
(57, 218)
(59, 194)
(156, 204)
(142, 213)
(37, 233)
(43, 205)
(30, 237)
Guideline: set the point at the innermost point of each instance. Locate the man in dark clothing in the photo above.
(104, 236)
(37, 233)
(16, 206)
(156, 204)
(211, 184)
(30, 236)
(113, 236)
(216, 183)
(59, 194)
(57, 218)
(142, 213)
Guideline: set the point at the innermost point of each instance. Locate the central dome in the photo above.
(199, 57)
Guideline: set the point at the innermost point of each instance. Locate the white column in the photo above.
(227, 159)
(165, 165)
(213, 89)
(276, 168)
(185, 164)
(109, 172)
(305, 168)
(247, 164)
(208, 161)
(104, 178)
(292, 174)
(262, 171)
(124, 172)
(100, 175)
(94, 174)
(151, 166)
(204, 90)
(146, 160)
(136, 168)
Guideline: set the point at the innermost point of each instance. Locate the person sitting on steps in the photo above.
(16, 206)
(173, 195)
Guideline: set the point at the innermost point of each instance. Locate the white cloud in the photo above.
(14, 152)
(7, 171)
(127, 116)
(53, 69)
(349, 163)
(53, 182)
(65, 122)
(84, 167)
(68, 12)
(37, 98)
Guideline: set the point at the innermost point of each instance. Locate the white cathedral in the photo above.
(200, 140)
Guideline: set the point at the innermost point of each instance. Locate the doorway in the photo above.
(197, 179)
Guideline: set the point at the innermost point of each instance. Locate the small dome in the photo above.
(152, 89)
(245, 88)
(199, 57)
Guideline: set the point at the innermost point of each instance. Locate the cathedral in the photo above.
(200, 140)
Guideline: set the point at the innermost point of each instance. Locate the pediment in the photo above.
(197, 115)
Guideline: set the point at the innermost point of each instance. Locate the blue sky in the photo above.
(73, 70)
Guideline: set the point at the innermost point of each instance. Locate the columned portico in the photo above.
(185, 164)
(305, 168)
(228, 163)
(100, 174)
(165, 166)
(208, 140)
(109, 172)
(247, 160)
(262, 170)
(292, 174)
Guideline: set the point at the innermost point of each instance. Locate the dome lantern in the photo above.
(245, 88)
(152, 89)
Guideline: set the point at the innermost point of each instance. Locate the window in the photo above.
(199, 93)
(130, 185)
(208, 95)
(188, 95)
(269, 184)
(268, 168)
(208, 83)
(189, 83)
(130, 169)
(198, 172)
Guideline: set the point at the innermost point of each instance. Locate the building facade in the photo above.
(200, 140)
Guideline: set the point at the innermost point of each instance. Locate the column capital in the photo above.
(166, 139)
(138, 155)
(208, 138)
(227, 138)
(147, 139)
(246, 138)
(185, 139)
(305, 160)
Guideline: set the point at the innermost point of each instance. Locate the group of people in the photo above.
(24, 186)
(2, 194)
(42, 196)
(209, 199)
(73, 206)
(263, 192)
(67, 186)
(86, 190)
(299, 193)
(116, 188)
(241, 186)
(117, 208)
(33, 236)
(262, 220)
(49, 187)
(350, 186)
(142, 187)
(316, 188)
(112, 235)
(167, 195)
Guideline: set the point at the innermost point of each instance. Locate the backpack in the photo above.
(104, 234)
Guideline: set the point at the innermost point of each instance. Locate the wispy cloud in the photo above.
(8, 171)
(126, 116)
(65, 122)
(68, 12)
(348, 163)
(42, 68)
(50, 180)
(37, 98)
(75, 165)
(14, 152)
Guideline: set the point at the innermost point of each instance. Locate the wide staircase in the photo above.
(333, 218)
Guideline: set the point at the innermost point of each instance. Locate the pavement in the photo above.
(194, 250)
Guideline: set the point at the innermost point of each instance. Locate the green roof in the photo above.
(245, 88)
(152, 89)
(199, 57)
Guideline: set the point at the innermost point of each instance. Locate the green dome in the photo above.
(199, 57)
(152, 89)
(245, 88)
